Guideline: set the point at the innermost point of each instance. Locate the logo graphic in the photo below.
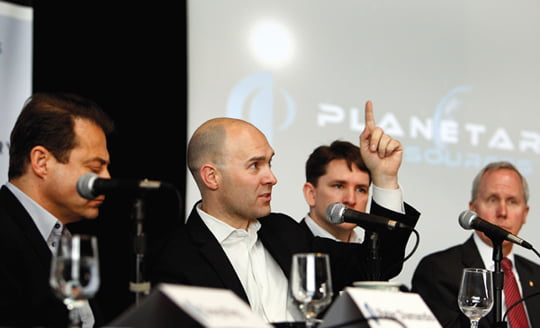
(252, 99)
(447, 107)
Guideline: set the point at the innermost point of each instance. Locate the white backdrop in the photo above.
(456, 81)
(15, 71)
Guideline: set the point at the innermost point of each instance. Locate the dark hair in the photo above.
(48, 120)
(322, 155)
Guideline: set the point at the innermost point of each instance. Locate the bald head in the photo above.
(209, 142)
(230, 160)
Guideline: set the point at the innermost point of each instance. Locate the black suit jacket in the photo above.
(194, 257)
(26, 300)
(438, 277)
(387, 242)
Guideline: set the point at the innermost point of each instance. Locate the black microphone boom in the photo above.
(90, 185)
(470, 220)
(339, 213)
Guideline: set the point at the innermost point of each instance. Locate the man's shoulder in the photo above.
(281, 223)
(13, 216)
(521, 260)
(278, 218)
(444, 256)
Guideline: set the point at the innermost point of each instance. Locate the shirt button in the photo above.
(57, 225)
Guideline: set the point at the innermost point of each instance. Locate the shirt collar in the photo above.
(357, 235)
(45, 221)
(486, 252)
(222, 231)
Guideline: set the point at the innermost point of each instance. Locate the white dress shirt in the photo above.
(50, 229)
(486, 253)
(263, 280)
(357, 235)
(391, 199)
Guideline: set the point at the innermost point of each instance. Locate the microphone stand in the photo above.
(139, 287)
(374, 259)
(498, 281)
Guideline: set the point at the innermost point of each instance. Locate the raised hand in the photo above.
(381, 153)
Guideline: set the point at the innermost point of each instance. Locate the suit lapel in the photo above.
(213, 253)
(470, 255)
(278, 250)
(471, 259)
(22, 219)
(528, 278)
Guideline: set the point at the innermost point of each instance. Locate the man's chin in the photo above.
(347, 226)
(91, 214)
(264, 212)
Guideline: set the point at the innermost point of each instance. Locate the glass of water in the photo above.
(476, 294)
(75, 272)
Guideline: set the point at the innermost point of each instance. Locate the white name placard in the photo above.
(384, 309)
(212, 307)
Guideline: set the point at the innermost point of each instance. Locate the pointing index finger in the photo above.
(369, 117)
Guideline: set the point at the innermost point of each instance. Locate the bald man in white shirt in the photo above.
(232, 239)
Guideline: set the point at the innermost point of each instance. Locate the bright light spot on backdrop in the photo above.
(271, 43)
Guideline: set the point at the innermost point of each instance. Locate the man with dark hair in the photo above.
(335, 173)
(56, 139)
(338, 173)
(499, 195)
(342, 173)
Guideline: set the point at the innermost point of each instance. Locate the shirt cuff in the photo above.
(391, 199)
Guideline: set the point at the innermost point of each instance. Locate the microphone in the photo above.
(470, 220)
(339, 213)
(90, 185)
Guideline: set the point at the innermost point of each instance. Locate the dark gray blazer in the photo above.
(26, 299)
(25, 260)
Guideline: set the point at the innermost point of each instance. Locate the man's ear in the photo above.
(310, 193)
(210, 176)
(39, 160)
(472, 207)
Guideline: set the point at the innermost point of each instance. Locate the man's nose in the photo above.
(349, 198)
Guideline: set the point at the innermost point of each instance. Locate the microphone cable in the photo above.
(535, 252)
(518, 302)
(415, 247)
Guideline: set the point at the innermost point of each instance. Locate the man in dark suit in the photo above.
(56, 139)
(338, 173)
(499, 195)
(231, 238)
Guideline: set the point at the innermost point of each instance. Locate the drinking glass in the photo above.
(75, 272)
(310, 284)
(475, 297)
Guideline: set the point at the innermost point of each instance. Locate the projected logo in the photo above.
(446, 110)
(256, 100)
(497, 143)
(447, 138)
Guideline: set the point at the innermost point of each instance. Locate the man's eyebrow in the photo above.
(97, 159)
(261, 158)
(257, 159)
(343, 181)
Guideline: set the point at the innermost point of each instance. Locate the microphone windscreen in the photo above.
(466, 219)
(85, 185)
(334, 213)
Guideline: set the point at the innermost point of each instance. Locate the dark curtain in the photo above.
(131, 59)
